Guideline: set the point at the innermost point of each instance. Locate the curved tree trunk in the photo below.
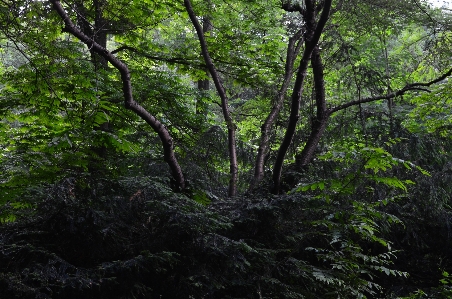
(233, 166)
(292, 52)
(322, 114)
(313, 32)
(203, 85)
(129, 102)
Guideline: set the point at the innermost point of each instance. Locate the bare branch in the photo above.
(408, 87)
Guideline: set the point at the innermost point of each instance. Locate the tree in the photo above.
(313, 32)
(97, 19)
(341, 108)
(224, 100)
(129, 102)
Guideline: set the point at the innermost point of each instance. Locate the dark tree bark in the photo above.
(203, 85)
(320, 121)
(323, 114)
(97, 31)
(100, 32)
(233, 166)
(292, 52)
(312, 35)
(129, 102)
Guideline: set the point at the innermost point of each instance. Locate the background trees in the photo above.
(339, 108)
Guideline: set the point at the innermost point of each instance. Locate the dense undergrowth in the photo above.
(133, 237)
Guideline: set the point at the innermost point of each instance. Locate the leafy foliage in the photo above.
(87, 207)
(103, 241)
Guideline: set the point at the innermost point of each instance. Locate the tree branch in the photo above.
(177, 60)
(408, 87)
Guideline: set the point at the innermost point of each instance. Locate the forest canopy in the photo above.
(225, 149)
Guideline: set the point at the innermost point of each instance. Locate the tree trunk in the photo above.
(312, 35)
(233, 166)
(203, 85)
(322, 114)
(129, 102)
(292, 52)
